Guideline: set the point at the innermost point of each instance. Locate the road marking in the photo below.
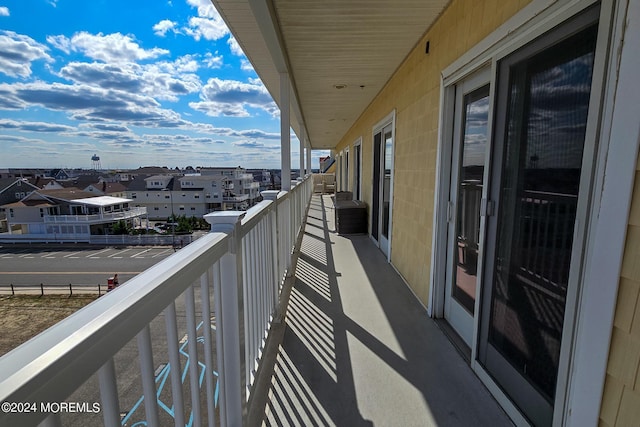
(160, 253)
(140, 253)
(70, 255)
(118, 253)
(99, 252)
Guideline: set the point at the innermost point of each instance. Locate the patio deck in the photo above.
(357, 349)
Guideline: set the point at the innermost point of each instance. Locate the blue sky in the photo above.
(137, 82)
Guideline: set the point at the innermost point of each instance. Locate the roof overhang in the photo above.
(339, 54)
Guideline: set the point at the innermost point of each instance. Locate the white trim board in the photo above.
(620, 144)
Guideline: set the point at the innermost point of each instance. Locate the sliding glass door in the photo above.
(537, 179)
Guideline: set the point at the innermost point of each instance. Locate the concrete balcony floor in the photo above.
(357, 349)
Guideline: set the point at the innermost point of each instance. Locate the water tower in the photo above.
(95, 161)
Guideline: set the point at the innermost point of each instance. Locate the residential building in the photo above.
(263, 177)
(245, 191)
(67, 215)
(105, 188)
(12, 190)
(191, 195)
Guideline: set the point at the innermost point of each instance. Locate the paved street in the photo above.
(83, 266)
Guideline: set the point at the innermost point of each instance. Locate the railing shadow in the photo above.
(313, 376)
(318, 379)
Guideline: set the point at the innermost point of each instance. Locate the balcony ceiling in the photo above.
(322, 44)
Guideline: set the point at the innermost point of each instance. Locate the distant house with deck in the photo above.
(67, 215)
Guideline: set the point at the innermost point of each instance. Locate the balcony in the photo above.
(96, 218)
(236, 199)
(250, 185)
(234, 330)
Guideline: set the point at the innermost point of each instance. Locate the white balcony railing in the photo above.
(229, 280)
(237, 198)
(96, 218)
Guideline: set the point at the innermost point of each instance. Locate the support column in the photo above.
(303, 143)
(308, 149)
(285, 133)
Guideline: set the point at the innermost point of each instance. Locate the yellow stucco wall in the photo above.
(621, 397)
(414, 93)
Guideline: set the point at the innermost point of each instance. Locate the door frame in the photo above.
(357, 169)
(475, 81)
(389, 119)
(586, 341)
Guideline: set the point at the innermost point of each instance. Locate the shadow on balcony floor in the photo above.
(357, 348)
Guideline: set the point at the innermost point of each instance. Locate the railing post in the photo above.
(53, 420)
(174, 361)
(109, 394)
(277, 234)
(228, 323)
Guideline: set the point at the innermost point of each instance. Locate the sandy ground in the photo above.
(23, 317)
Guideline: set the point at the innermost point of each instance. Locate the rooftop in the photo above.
(102, 201)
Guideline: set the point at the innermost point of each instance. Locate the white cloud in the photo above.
(245, 65)
(165, 80)
(163, 26)
(230, 97)
(213, 61)
(234, 46)
(17, 52)
(111, 48)
(28, 126)
(4, 11)
(60, 42)
(208, 24)
(89, 103)
(209, 29)
(205, 8)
